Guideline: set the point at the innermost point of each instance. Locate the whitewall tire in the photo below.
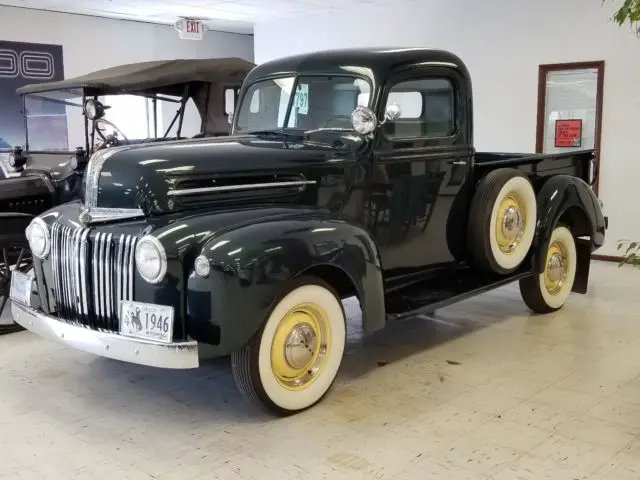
(548, 291)
(292, 361)
(502, 221)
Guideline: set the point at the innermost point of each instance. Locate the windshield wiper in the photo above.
(277, 133)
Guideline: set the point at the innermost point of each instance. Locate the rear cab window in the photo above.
(427, 107)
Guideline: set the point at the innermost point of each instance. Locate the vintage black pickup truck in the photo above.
(348, 173)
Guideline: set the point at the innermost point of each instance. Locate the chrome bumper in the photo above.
(110, 345)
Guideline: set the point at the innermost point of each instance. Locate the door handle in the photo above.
(459, 162)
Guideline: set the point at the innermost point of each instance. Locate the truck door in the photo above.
(419, 168)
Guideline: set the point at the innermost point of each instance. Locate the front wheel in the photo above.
(292, 361)
(548, 291)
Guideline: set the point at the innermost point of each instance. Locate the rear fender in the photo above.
(570, 200)
(252, 264)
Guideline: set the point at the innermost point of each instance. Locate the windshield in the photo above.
(55, 120)
(320, 101)
(47, 117)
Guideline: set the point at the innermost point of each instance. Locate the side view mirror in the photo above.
(364, 120)
(393, 112)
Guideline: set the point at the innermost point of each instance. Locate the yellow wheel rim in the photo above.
(555, 272)
(300, 346)
(510, 223)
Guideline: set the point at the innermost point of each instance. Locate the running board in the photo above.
(441, 291)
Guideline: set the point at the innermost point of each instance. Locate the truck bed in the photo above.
(575, 163)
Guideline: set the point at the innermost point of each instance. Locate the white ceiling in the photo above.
(237, 16)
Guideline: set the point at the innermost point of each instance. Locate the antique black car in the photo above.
(45, 171)
(348, 173)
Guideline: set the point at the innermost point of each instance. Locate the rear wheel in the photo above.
(292, 361)
(14, 255)
(502, 221)
(548, 291)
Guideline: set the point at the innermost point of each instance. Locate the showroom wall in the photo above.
(92, 43)
(503, 42)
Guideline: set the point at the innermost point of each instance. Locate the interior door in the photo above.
(419, 168)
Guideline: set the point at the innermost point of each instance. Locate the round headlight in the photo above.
(90, 109)
(151, 259)
(364, 120)
(12, 160)
(38, 238)
(93, 109)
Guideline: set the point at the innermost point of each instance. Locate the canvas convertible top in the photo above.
(206, 80)
(166, 77)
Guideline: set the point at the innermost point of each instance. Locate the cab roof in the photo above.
(370, 62)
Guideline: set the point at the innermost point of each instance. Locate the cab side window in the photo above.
(427, 108)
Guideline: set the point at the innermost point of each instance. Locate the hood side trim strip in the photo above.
(248, 186)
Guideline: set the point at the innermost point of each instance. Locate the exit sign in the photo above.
(190, 29)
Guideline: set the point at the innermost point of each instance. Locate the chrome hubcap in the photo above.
(300, 346)
(556, 267)
(555, 273)
(512, 224)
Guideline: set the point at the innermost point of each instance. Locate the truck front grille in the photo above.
(92, 273)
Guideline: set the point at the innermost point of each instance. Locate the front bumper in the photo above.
(180, 355)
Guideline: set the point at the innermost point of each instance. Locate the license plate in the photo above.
(146, 320)
(21, 288)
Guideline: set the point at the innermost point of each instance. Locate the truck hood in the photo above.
(177, 175)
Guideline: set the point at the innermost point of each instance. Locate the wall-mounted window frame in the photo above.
(543, 72)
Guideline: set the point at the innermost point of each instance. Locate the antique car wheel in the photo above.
(548, 291)
(502, 221)
(14, 255)
(292, 361)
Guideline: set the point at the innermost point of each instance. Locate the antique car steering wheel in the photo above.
(109, 140)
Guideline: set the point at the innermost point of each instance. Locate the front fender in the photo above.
(565, 194)
(14, 225)
(251, 265)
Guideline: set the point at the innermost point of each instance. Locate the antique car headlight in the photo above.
(38, 237)
(93, 109)
(151, 259)
(12, 160)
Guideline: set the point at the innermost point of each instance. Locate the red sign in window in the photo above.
(568, 133)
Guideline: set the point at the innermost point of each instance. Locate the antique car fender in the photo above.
(251, 263)
(568, 199)
(14, 225)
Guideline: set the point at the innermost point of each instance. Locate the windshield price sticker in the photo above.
(301, 100)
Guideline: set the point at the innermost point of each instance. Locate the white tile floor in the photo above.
(481, 390)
